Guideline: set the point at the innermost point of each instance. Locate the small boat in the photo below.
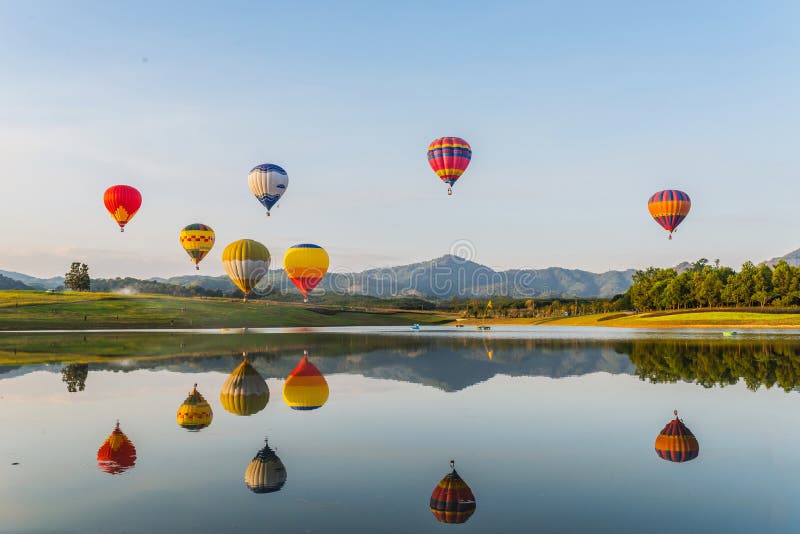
(728, 333)
(483, 327)
(459, 326)
(415, 326)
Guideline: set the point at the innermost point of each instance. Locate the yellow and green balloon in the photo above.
(246, 262)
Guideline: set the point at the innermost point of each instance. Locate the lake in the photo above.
(551, 430)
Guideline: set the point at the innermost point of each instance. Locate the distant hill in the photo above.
(10, 283)
(33, 282)
(792, 258)
(446, 277)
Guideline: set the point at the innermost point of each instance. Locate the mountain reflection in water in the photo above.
(447, 363)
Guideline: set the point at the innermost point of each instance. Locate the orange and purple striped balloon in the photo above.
(449, 157)
(669, 208)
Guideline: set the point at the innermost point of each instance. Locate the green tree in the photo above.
(762, 284)
(785, 284)
(77, 279)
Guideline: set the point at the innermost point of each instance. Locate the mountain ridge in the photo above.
(440, 278)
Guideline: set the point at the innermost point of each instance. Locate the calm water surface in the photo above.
(552, 430)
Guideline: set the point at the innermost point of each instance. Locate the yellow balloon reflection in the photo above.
(244, 392)
(195, 413)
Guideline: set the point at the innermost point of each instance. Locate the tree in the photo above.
(784, 284)
(77, 279)
(762, 284)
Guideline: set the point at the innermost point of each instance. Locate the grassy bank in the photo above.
(680, 319)
(35, 310)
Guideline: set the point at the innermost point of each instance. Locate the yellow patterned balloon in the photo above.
(195, 413)
(246, 262)
(197, 239)
(244, 392)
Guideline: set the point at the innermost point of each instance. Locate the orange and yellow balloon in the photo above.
(122, 202)
(306, 266)
(197, 240)
(246, 262)
(305, 387)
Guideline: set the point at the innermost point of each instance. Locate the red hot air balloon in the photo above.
(117, 454)
(669, 208)
(676, 443)
(449, 157)
(122, 202)
(452, 501)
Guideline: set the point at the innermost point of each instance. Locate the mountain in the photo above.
(444, 278)
(32, 281)
(10, 283)
(792, 258)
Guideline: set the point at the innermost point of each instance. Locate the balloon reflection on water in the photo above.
(676, 443)
(117, 453)
(305, 387)
(195, 413)
(452, 500)
(245, 392)
(265, 473)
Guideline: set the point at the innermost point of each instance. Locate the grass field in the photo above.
(682, 319)
(36, 310)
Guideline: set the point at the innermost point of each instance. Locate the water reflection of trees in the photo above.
(74, 376)
(717, 363)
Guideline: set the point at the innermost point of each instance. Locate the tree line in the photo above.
(705, 285)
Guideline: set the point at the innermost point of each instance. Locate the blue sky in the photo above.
(577, 113)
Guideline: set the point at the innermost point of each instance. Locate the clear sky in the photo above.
(577, 112)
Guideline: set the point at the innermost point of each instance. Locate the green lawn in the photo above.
(35, 310)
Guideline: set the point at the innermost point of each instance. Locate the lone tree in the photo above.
(77, 279)
(74, 376)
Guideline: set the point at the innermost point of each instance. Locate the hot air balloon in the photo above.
(246, 262)
(676, 443)
(197, 240)
(268, 183)
(669, 208)
(306, 266)
(449, 157)
(266, 472)
(122, 202)
(452, 501)
(305, 387)
(195, 413)
(117, 454)
(244, 392)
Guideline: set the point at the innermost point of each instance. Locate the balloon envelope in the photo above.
(246, 262)
(306, 266)
(676, 443)
(117, 453)
(197, 240)
(452, 500)
(669, 208)
(449, 157)
(268, 183)
(305, 387)
(244, 392)
(195, 413)
(122, 202)
(266, 472)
